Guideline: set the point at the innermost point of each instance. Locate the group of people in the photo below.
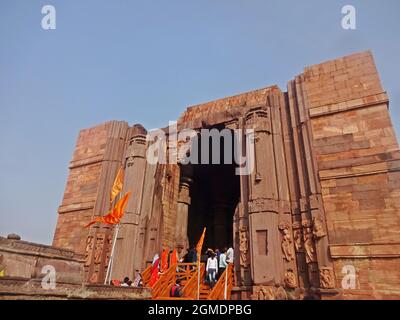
(137, 282)
(217, 261)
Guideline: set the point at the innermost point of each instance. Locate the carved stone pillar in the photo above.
(182, 242)
(266, 256)
(241, 241)
(134, 177)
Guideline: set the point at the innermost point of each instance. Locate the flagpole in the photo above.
(198, 276)
(110, 264)
(226, 282)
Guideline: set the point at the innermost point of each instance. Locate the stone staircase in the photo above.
(187, 274)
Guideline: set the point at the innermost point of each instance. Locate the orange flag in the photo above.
(200, 244)
(117, 185)
(173, 259)
(115, 215)
(164, 260)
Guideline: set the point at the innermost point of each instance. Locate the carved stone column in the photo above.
(182, 242)
(241, 239)
(124, 261)
(266, 253)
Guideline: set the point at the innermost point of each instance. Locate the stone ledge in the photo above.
(361, 170)
(67, 208)
(367, 101)
(365, 250)
(31, 289)
(40, 250)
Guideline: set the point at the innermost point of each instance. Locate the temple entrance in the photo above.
(215, 193)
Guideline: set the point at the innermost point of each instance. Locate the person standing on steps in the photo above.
(222, 263)
(212, 269)
(229, 255)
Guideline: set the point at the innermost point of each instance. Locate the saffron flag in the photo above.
(154, 273)
(117, 185)
(115, 215)
(173, 258)
(200, 244)
(164, 260)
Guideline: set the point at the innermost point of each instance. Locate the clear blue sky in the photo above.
(145, 61)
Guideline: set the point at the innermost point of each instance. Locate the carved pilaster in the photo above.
(128, 247)
(244, 246)
(184, 201)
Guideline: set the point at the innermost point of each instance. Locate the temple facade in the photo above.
(318, 216)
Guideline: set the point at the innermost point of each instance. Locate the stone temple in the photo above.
(320, 212)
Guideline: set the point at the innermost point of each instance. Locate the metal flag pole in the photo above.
(107, 280)
(111, 262)
(226, 282)
(198, 277)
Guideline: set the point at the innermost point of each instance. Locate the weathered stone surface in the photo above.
(24, 289)
(324, 194)
(25, 260)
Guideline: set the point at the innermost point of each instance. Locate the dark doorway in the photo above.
(215, 193)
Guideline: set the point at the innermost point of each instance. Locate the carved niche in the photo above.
(257, 119)
(318, 228)
(290, 279)
(243, 246)
(89, 251)
(286, 244)
(308, 238)
(269, 293)
(98, 249)
(109, 245)
(298, 237)
(263, 205)
(327, 278)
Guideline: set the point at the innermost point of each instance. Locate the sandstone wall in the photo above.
(358, 163)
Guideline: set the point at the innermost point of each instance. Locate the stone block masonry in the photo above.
(324, 195)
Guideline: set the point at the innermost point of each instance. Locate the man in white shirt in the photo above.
(212, 269)
(222, 263)
(229, 255)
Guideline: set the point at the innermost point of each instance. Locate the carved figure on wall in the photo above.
(89, 251)
(98, 248)
(286, 241)
(309, 243)
(109, 244)
(264, 293)
(297, 236)
(326, 278)
(318, 228)
(243, 246)
(290, 279)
